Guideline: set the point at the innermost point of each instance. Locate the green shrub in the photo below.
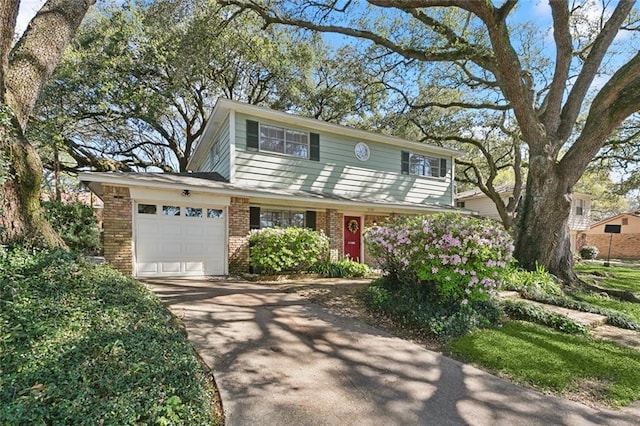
(343, 268)
(411, 308)
(287, 250)
(454, 258)
(76, 224)
(376, 296)
(521, 310)
(532, 282)
(82, 344)
(589, 252)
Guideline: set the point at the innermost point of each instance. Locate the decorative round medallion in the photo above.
(362, 151)
(352, 226)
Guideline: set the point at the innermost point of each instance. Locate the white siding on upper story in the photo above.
(338, 172)
(221, 137)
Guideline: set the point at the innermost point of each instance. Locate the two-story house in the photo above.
(579, 217)
(254, 168)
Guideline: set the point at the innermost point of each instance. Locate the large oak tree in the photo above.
(477, 38)
(24, 70)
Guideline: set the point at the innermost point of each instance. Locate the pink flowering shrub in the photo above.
(454, 258)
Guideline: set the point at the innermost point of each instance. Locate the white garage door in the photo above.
(175, 240)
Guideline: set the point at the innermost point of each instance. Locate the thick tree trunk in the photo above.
(542, 233)
(21, 217)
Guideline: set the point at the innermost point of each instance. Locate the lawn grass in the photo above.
(82, 344)
(553, 361)
(614, 277)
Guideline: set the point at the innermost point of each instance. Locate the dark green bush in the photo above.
(76, 224)
(286, 250)
(343, 268)
(81, 344)
(413, 308)
(589, 252)
(521, 310)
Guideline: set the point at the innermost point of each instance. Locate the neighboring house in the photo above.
(625, 245)
(254, 168)
(579, 218)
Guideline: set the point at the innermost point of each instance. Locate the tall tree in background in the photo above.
(24, 69)
(475, 37)
(141, 96)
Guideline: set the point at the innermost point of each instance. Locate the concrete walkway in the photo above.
(280, 360)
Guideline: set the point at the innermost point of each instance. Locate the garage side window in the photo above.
(171, 210)
(193, 212)
(147, 208)
(215, 213)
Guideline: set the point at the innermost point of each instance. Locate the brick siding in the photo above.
(623, 246)
(117, 228)
(238, 235)
(333, 229)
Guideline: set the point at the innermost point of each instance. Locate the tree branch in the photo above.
(589, 69)
(36, 54)
(617, 100)
(562, 37)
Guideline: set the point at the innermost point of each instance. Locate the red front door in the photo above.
(352, 230)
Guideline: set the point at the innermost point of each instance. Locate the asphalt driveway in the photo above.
(280, 360)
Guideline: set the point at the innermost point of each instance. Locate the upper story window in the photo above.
(423, 165)
(294, 143)
(580, 207)
(284, 141)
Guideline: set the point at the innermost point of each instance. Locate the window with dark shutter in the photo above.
(253, 136)
(254, 218)
(310, 220)
(443, 167)
(404, 162)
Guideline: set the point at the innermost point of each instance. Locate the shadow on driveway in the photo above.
(280, 360)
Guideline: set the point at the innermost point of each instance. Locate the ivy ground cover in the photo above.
(81, 344)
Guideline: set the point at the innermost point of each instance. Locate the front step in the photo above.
(587, 319)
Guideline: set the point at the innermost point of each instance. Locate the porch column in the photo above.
(334, 230)
(238, 235)
(117, 228)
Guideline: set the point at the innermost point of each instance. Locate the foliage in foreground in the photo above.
(76, 225)
(412, 308)
(453, 258)
(82, 344)
(550, 360)
(287, 250)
